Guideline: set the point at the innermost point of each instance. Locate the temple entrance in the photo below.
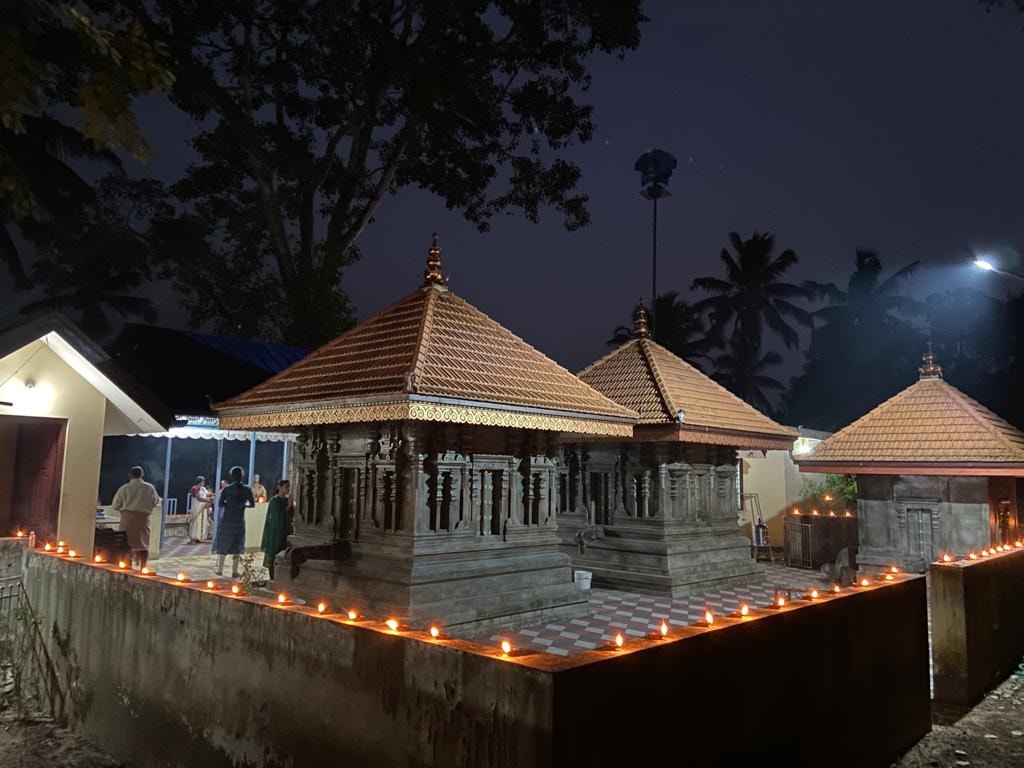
(919, 535)
(31, 472)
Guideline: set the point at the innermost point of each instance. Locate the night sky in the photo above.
(891, 125)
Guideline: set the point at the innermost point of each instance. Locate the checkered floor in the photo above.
(199, 564)
(637, 615)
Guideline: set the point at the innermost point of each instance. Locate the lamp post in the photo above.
(655, 169)
(986, 264)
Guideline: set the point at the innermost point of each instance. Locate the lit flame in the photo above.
(435, 632)
(814, 511)
(814, 594)
(392, 624)
(211, 584)
(946, 558)
(60, 543)
(780, 602)
(831, 513)
(709, 618)
(182, 578)
(72, 553)
(122, 564)
(506, 647)
(145, 571)
(98, 559)
(744, 609)
(618, 639)
(864, 582)
(282, 599)
(20, 534)
(1019, 544)
(663, 628)
(352, 615)
(847, 514)
(321, 607)
(835, 588)
(796, 511)
(234, 589)
(973, 556)
(984, 553)
(894, 569)
(889, 577)
(60, 549)
(47, 546)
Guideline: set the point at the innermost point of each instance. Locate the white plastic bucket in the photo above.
(582, 579)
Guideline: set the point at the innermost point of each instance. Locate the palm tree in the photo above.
(677, 327)
(868, 303)
(742, 369)
(752, 295)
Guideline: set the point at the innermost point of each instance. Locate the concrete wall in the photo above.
(977, 624)
(12, 550)
(166, 675)
(59, 392)
(776, 480)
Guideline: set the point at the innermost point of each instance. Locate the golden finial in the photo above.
(930, 369)
(433, 274)
(641, 322)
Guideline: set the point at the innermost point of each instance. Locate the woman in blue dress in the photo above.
(230, 537)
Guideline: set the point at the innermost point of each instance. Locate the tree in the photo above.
(56, 60)
(677, 327)
(313, 111)
(863, 350)
(92, 264)
(752, 295)
(743, 370)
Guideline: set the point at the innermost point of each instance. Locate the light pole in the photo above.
(986, 264)
(655, 168)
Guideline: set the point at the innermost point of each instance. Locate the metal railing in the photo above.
(28, 677)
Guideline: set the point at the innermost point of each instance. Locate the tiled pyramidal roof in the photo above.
(430, 356)
(929, 422)
(650, 379)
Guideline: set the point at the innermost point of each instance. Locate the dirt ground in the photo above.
(38, 743)
(991, 734)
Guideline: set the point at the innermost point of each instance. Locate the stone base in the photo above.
(468, 592)
(665, 557)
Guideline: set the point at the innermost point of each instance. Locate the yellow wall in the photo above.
(60, 392)
(777, 481)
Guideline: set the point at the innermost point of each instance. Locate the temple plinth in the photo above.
(427, 472)
(659, 512)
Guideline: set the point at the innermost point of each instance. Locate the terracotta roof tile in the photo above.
(430, 343)
(929, 421)
(650, 379)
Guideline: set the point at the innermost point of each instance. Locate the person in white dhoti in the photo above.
(198, 528)
(135, 501)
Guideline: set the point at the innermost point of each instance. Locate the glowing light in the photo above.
(619, 640)
(889, 577)
(864, 582)
(72, 553)
(60, 543)
(709, 618)
(182, 578)
(796, 511)
(321, 607)
(831, 513)
(392, 624)
(744, 609)
(835, 589)
(211, 584)
(47, 547)
(60, 549)
(973, 556)
(663, 629)
(1019, 544)
(828, 497)
(234, 589)
(352, 615)
(122, 564)
(847, 514)
(982, 263)
(781, 601)
(814, 511)
(20, 534)
(946, 558)
(814, 594)
(145, 571)
(894, 569)
(435, 632)
(506, 647)
(282, 598)
(98, 559)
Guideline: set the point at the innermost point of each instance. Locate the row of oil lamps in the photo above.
(948, 557)
(435, 631)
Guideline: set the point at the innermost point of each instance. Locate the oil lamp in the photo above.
(392, 624)
(506, 647)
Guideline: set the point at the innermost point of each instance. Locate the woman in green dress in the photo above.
(277, 526)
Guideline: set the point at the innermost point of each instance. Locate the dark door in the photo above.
(38, 472)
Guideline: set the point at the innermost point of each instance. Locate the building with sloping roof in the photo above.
(427, 471)
(658, 512)
(936, 472)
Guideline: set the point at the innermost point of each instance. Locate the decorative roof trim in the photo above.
(973, 469)
(417, 410)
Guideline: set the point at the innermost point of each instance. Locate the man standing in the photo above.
(135, 501)
(259, 493)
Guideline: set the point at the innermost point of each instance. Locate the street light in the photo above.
(986, 264)
(655, 169)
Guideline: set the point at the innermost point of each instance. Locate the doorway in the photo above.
(31, 473)
(920, 544)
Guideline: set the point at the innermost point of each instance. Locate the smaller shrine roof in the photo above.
(930, 427)
(431, 356)
(676, 401)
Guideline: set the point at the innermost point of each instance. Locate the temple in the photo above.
(659, 512)
(427, 475)
(936, 472)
